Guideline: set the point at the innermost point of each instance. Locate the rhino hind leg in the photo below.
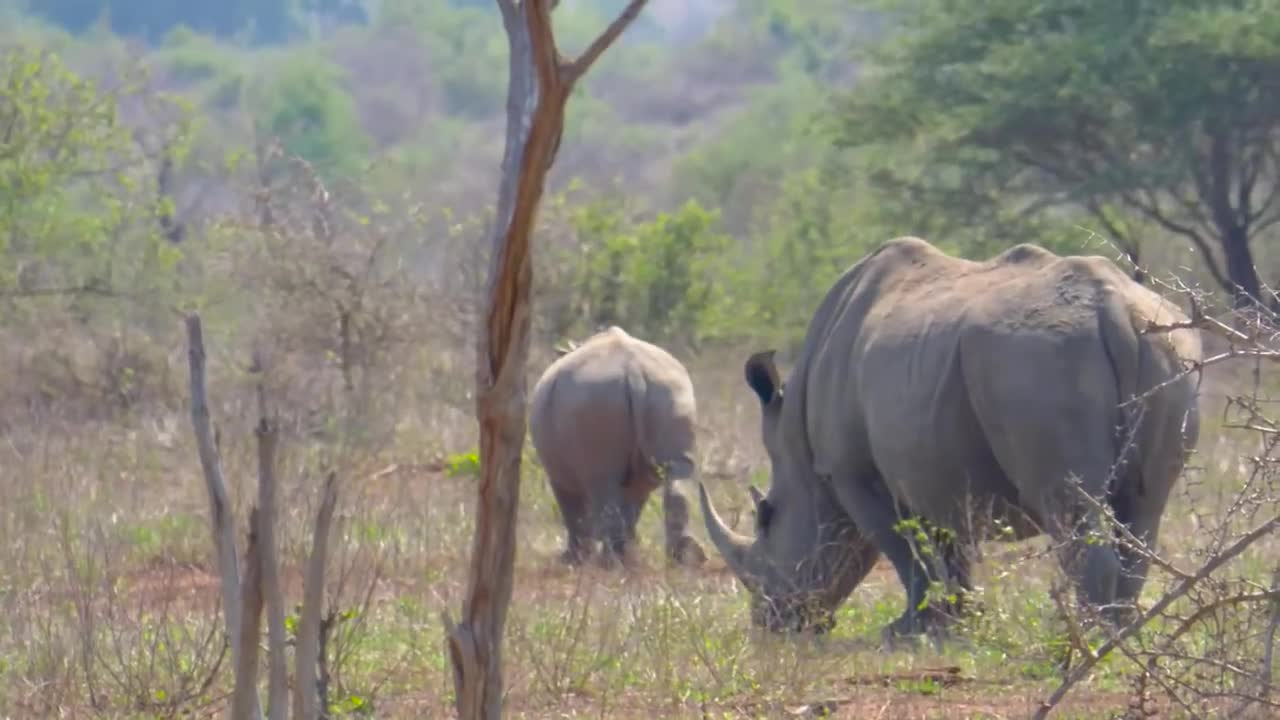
(1140, 503)
(1142, 516)
(1089, 555)
(1134, 566)
(1096, 564)
(680, 546)
(577, 523)
(615, 519)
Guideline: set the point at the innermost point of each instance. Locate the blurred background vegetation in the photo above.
(721, 165)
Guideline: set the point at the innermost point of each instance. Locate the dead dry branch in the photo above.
(244, 702)
(307, 696)
(1206, 643)
(277, 672)
(261, 589)
(220, 512)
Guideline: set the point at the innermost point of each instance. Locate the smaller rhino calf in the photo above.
(612, 420)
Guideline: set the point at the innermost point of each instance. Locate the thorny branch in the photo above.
(1156, 610)
(1228, 604)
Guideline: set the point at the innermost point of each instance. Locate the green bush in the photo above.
(305, 104)
(656, 278)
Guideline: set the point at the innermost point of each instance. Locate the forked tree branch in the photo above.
(576, 68)
(538, 89)
(220, 519)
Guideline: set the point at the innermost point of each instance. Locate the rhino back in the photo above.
(614, 396)
(916, 359)
(825, 421)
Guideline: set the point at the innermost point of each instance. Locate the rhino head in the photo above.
(806, 556)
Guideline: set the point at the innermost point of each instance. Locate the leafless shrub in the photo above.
(358, 299)
(566, 652)
(150, 645)
(334, 298)
(261, 588)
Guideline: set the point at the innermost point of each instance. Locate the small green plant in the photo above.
(463, 464)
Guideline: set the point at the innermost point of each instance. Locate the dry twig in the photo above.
(306, 691)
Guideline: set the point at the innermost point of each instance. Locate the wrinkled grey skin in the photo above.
(609, 419)
(965, 393)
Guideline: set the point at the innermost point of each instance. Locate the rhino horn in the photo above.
(736, 548)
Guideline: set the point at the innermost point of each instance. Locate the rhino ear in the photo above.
(762, 376)
(764, 516)
(763, 509)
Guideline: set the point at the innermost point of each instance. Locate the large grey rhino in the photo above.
(936, 388)
(612, 419)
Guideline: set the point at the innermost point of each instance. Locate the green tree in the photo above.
(77, 214)
(307, 107)
(1165, 111)
(89, 234)
(816, 36)
(672, 272)
(657, 278)
(465, 52)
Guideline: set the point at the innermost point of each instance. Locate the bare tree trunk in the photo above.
(277, 671)
(244, 700)
(220, 519)
(538, 88)
(1246, 287)
(306, 696)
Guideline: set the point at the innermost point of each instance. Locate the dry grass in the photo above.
(110, 597)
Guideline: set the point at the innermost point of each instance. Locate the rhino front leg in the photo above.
(868, 504)
(959, 564)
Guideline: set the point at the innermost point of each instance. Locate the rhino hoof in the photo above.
(689, 553)
(610, 559)
(931, 621)
(573, 557)
(1119, 616)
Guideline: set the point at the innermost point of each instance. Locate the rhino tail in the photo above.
(633, 392)
(1124, 348)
